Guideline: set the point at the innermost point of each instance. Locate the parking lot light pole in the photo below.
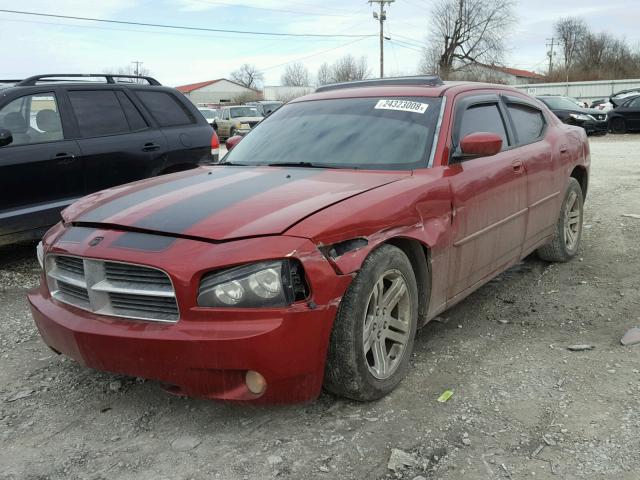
(381, 17)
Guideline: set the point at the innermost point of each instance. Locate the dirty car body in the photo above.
(142, 279)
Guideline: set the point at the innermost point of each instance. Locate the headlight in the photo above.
(244, 126)
(265, 284)
(40, 254)
(581, 117)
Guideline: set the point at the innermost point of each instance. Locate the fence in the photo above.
(581, 90)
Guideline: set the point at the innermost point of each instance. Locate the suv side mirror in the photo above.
(232, 142)
(6, 137)
(480, 144)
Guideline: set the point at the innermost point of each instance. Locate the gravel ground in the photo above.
(523, 406)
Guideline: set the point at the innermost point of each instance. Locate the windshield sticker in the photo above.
(402, 105)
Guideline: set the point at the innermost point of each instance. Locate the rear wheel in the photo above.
(375, 328)
(618, 125)
(568, 227)
(232, 132)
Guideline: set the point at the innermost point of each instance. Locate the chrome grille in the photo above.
(112, 288)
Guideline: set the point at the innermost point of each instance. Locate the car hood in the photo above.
(222, 203)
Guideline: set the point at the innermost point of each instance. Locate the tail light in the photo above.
(215, 147)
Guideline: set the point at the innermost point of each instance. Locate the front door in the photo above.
(489, 197)
(41, 171)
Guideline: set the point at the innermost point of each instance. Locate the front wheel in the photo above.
(568, 227)
(375, 328)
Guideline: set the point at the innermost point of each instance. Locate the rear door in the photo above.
(489, 197)
(41, 169)
(118, 144)
(541, 162)
(187, 133)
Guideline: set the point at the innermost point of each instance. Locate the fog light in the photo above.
(255, 382)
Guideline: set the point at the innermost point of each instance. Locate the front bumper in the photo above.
(596, 127)
(208, 351)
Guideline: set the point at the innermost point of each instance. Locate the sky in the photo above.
(48, 45)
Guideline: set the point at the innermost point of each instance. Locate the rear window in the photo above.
(529, 122)
(165, 108)
(98, 113)
(371, 133)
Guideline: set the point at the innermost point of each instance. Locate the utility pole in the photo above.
(381, 17)
(550, 53)
(136, 71)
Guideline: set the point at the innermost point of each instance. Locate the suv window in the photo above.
(484, 118)
(225, 114)
(165, 108)
(32, 119)
(135, 120)
(98, 113)
(528, 121)
(635, 103)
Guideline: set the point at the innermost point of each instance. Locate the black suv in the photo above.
(65, 136)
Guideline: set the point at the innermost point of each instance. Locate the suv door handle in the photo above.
(517, 166)
(64, 158)
(564, 148)
(150, 147)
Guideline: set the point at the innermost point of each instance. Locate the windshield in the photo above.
(559, 103)
(373, 133)
(207, 112)
(244, 112)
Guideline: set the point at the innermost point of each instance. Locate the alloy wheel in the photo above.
(572, 222)
(387, 325)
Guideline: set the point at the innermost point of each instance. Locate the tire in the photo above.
(352, 370)
(618, 125)
(232, 132)
(565, 245)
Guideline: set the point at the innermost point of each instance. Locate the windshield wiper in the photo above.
(233, 164)
(300, 164)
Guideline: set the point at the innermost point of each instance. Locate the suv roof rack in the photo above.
(109, 78)
(417, 80)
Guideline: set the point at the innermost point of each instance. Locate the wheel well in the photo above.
(177, 168)
(419, 256)
(580, 174)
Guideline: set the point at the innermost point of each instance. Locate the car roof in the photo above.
(453, 87)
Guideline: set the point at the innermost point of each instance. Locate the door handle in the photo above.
(150, 147)
(64, 158)
(517, 166)
(564, 148)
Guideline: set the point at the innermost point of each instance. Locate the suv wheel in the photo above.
(568, 227)
(375, 328)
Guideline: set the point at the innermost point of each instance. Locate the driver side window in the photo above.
(32, 119)
(484, 118)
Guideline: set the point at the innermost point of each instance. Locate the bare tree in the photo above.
(245, 97)
(348, 68)
(324, 74)
(248, 76)
(571, 32)
(295, 75)
(465, 32)
(129, 70)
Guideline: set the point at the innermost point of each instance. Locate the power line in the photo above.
(182, 27)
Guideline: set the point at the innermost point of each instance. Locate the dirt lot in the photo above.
(523, 405)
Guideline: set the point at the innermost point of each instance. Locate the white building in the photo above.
(218, 91)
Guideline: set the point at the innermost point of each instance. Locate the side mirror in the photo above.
(6, 137)
(480, 144)
(232, 142)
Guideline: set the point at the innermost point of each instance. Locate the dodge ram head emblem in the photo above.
(95, 241)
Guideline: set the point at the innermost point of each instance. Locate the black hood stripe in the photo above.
(143, 242)
(181, 216)
(76, 234)
(112, 207)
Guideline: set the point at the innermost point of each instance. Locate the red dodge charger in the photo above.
(309, 257)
